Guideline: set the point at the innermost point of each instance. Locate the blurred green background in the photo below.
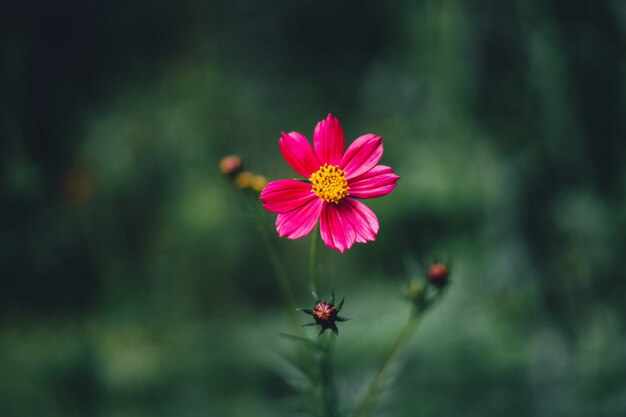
(134, 280)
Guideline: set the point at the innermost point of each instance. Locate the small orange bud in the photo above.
(257, 183)
(230, 165)
(437, 274)
(244, 179)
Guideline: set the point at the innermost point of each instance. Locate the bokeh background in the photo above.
(134, 279)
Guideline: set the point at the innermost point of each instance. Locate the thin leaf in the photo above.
(306, 310)
(340, 306)
(307, 342)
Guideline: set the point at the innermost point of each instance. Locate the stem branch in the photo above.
(372, 390)
(279, 271)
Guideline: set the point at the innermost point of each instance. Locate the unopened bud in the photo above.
(415, 289)
(325, 314)
(437, 274)
(244, 179)
(230, 165)
(257, 183)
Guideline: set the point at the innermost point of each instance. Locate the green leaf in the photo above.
(340, 306)
(307, 342)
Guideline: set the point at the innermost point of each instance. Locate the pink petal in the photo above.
(362, 219)
(299, 222)
(325, 230)
(347, 222)
(298, 153)
(336, 230)
(362, 155)
(328, 141)
(285, 195)
(377, 182)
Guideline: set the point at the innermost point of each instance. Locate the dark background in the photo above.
(134, 282)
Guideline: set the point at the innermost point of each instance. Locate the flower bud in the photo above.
(325, 314)
(437, 274)
(230, 165)
(415, 289)
(258, 182)
(244, 180)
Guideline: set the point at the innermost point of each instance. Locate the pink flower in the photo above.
(336, 179)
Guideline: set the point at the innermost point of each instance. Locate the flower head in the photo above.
(326, 314)
(336, 179)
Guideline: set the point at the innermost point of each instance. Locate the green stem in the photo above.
(372, 390)
(279, 271)
(313, 263)
(327, 382)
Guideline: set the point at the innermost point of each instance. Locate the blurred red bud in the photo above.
(437, 274)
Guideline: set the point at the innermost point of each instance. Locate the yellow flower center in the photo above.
(329, 183)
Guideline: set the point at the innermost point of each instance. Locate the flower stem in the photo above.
(368, 400)
(279, 271)
(313, 263)
(327, 382)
